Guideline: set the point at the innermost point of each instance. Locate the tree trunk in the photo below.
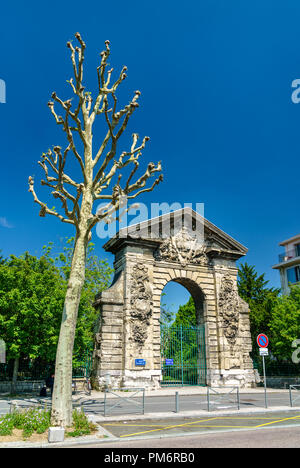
(13, 390)
(61, 414)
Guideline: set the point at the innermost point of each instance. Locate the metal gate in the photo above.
(82, 364)
(183, 359)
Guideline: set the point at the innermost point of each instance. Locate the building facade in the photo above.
(289, 263)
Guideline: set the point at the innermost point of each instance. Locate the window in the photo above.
(297, 250)
(293, 274)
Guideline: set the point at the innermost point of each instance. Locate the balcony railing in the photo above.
(289, 255)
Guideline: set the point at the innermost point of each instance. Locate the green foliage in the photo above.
(32, 293)
(251, 286)
(38, 420)
(186, 314)
(31, 301)
(285, 323)
(81, 424)
(2, 259)
(6, 426)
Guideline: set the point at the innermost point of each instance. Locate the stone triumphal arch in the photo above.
(128, 330)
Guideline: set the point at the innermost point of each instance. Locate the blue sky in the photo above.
(216, 101)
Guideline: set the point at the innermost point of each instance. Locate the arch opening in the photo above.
(182, 332)
(189, 294)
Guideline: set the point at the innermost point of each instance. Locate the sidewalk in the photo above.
(170, 391)
(93, 401)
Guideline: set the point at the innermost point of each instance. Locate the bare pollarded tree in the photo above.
(101, 168)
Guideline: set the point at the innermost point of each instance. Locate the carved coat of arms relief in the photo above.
(183, 248)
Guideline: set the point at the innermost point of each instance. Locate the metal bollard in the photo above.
(105, 391)
(143, 410)
(208, 399)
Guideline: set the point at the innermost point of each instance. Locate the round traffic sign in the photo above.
(262, 340)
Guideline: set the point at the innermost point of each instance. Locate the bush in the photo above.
(81, 424)
(38, 420)
(31, 420)
(6, 426)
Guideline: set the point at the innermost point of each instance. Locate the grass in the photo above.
(36, 420)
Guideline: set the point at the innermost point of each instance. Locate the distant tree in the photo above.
(252, 287)
(32, 292)
(166, 314)
(285, 323)
(186, 314)
(31, 296)
(2, 259)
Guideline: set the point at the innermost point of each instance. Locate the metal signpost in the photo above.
(263, 341)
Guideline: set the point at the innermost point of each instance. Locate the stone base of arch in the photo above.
(117, 347)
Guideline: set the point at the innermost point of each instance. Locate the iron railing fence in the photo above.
(82, 363)
(294, 395)
(223, 398)
(28, 370)
(275, 367)
(39, 369)
(289, 255)
(124, 402)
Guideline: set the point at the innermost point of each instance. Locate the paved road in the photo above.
(279, 429)
(264, 438)
(4, 407)
(169, 427)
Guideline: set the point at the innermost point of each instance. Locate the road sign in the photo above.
(262, 340)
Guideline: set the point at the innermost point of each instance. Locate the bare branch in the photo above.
(116, 120)
(126, 112)
(141, 182)
(44, 209)
(149, 189)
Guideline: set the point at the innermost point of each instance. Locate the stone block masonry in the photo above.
(129, 311)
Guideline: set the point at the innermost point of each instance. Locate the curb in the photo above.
(107, 437)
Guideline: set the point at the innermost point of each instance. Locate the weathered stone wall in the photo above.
(109, 350)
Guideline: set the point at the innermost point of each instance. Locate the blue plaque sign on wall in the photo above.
(140, 362)
(169, 362)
